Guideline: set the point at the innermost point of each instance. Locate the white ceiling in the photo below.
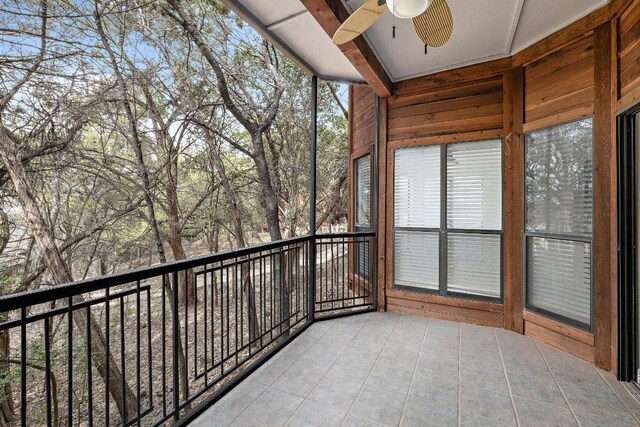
(290, 25)
(483, 30)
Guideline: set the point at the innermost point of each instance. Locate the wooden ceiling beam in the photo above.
(330, 14)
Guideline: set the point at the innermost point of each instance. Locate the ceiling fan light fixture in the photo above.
(406, 9)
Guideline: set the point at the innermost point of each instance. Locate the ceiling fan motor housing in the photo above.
(406, 9)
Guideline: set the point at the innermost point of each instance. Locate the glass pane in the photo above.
(416, 259)
(417, 187)
(363, 190)
(559, 179)
(474, 185)
(559, 278)
(474, 264)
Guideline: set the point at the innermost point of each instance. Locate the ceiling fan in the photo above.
(432, 19)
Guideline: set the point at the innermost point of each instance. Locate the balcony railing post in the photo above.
(313, 137)
(373, 254)
(176, 337)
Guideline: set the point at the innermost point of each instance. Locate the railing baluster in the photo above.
(176, 337)
(125, 415)
(149, 358)
(69, 363)
(195, 322)
(164, 344)
(206, 330)
(227, 314)
(107, 337)
(213, 319)
(47, 369)
(138, 344)
(23, 368)
(185, 297)
(89, 369)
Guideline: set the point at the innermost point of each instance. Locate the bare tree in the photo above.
(11, 147)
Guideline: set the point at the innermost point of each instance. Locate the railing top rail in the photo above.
(349, 234)
(39, 296)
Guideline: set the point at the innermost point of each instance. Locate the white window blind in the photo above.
(474, 185)
(471, 260)
(474, 264)
(363, 191)
(417, 187)
(417, 259)
(559, 277)
(362, 172)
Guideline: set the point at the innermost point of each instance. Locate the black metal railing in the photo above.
(156, 345)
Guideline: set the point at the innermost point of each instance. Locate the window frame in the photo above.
(443, 231)
(356, 205)
(527, 235)
(361, 271)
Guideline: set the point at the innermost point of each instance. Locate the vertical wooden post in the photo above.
(382, 235)
(603, 198)
(513, 197)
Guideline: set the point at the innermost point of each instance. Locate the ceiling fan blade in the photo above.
(359, 21)
(435, 25)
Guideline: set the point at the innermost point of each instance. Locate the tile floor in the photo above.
(385, 369)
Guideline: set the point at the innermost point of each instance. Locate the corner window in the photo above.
(448, 218)
(362, 183)
(559, 215)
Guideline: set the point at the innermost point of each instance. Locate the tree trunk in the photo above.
(143, 172)
(124, 398)
(187, 296)
(236, 215)
(256, 128)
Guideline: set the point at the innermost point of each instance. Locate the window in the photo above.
(448, 218)
(362, 174)
(559, 214)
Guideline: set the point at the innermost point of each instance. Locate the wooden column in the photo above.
(513, 208)
(604, 199)
(383, 238)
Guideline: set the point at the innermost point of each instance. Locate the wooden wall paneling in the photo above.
(469, 108)
(416, 98)
(513, 196)
(617, 7)
(628, 54)
(565, 338)
(458, 309)
(604, 200)
(383, 241)
(363, 119)
(552, 325)
(448, 138)
(562, 38)
(560, 86)
(361, 136)
(452, 78)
